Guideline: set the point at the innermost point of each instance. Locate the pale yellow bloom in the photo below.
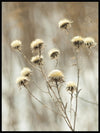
(37, 44)
(26, 71)
(56, 75)
(65, 24)
(89, 42)
(77, 41)
(71, 86)
(16, 44)
(37, 60)
(22, 80)
(54, 53)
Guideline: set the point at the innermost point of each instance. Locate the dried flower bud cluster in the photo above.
(65, 24)
(37, 44)
(22, 81)
(77, 41)
(54, 53)
(16, 44)
(89, 42)
(37, 60)
(56, 76)
(26, 72)
(71, 86)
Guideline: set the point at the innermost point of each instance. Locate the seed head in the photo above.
(77, 41)
(89, 42)
(71, 86)
(56, 76)
(54, 53)
(16, 44)
(37, 60)
(22, 81)
(37, 44)
(65, 24)
(26, 72)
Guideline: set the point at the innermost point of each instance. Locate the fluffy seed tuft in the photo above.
(89, 42)
(65, 24)
(37, 60)
(16, 44)
(71, 86)
(22, 81)
(37, 44)
(56, 76)
(77, 41)
(54, 53)
(26, 72)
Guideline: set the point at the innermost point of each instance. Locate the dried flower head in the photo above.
(56, 76)
(65, 24)
(37, 44)
(77, 41)
(54, 53)
(16, 44)
(71, 86)
(37, 60)
(26, 72)
(89, 42)
(22, 81)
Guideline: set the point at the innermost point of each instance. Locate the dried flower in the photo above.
(89, 42)
(37, 44)
(71, 86)
(22, 80)
(37, 60)
(16, 44)
(65, 24)
(56, 76)
(54, 53)
(77, 41)
(26, 72)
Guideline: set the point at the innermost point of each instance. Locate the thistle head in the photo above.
(16, 44)
(77, 41)
(71, 86)
(37, 44)
(26, 72)
(22, 81)
(89, 42)
(54, 53)
(37, 60)
(65, 24)
(56, 76)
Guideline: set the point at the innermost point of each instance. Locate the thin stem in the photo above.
(75, 114)
(39, 87)
(87, 101)
(71, 97)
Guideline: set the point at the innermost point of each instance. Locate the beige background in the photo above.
(27, 21)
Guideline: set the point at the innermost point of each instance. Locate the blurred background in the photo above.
(27, 21)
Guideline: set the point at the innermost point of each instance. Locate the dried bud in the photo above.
(89, 42)
(16, 44)
(26, 72)
(37, 60)
(22, 81)
(37, 44)
(65, 24)
(77, 41)
(54, 53)
(56, 76)
(71, 86)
